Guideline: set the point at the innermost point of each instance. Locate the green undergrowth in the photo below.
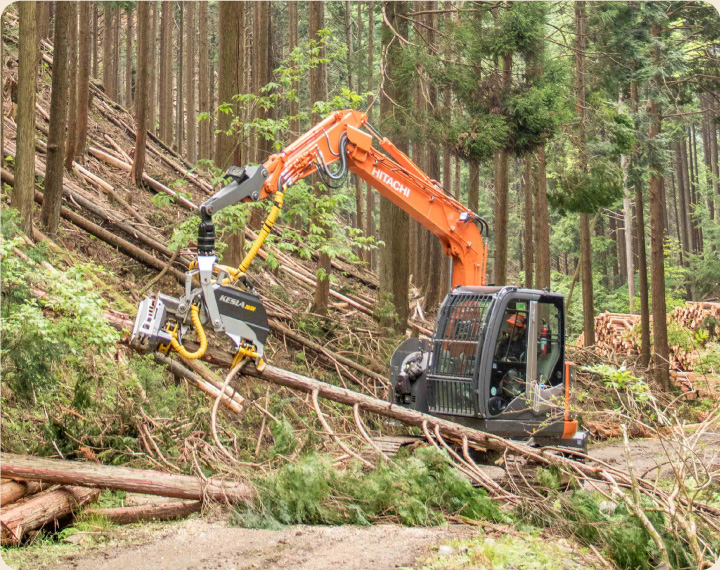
(420, 489)
(593, 520)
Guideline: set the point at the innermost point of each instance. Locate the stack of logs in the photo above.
(38, 493)
(618, 334)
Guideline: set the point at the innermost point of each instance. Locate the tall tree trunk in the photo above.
(657, 238)
(359, 197)
(211, 86)
(72, 80)
(528, 233)
(165, 81)
(180, 97)
(95, 40)
(679, 168)
(585, 244)
(687, 191)
(394, 227)
(42, 16)
(292, 44)
(542, 222)
(502, 191)
(152, 69)
(261, 69)
(436, 282)
(371, 257)
(474, 186)
(83, 80)
(318, 92)
(203, 80)
(58, 118)
(228, 78)
(116, 53)
(145, 52)
(128, 58)
(707, 128)
(107, 47)
(23, 194)
(417, 238)
(677, 215)
(640, 248)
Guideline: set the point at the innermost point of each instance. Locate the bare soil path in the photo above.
(198, 544)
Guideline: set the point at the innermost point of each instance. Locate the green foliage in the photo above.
(417, 490)
(37, 347)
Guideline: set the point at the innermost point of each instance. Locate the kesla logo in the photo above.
(390, 181)
(236, 302)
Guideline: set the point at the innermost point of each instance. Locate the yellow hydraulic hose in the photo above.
(262, 234)
(195, 316)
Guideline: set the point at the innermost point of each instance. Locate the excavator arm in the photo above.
(344, 137)
(347, 138)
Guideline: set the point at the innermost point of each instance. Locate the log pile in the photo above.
(618, 333)
(30, 503)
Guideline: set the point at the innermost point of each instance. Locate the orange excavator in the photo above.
(496, 358)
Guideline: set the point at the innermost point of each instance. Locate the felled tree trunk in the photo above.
(122, 479)
(42, 509)
(11, 491)
(165, 512)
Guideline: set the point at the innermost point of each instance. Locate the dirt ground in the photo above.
(198, 544)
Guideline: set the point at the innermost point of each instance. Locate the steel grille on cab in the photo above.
(460, 323)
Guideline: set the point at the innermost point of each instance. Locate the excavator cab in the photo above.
(496, 362)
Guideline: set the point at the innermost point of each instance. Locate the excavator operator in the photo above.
(513, 346)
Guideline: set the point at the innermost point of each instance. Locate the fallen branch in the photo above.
(123, 479)
(143, 513)
(42, 509)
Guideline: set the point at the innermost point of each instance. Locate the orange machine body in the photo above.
(393, 175)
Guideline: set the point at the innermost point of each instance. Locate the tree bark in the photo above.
(657, 238)
(128, 58)
(474, 186)
(394, 223)
(501, 188)
(528, 234)
(146, 513)
(83, 80)
(152, 91)
(11, 491)
(204, 126)
(585, 243)
(179, 82)
(371, 256)
(58, 119)
(42, 14)
(24, 191)
(228, 78)
(95, 39)
(123, 479)
(107, 47)
(73, 88)
(292, 44)
(542, 222)
(190, 116)
(318, 92)
(43, 508)
(142, 100)
(262, 66)
(165, 94)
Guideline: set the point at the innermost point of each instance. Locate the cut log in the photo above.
(108, 237)
(11, 491)
(42, 509)
(231, 400)
(123, 479)
(163, 512)
(154, 184)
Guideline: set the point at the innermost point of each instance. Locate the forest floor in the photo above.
(210, 541)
